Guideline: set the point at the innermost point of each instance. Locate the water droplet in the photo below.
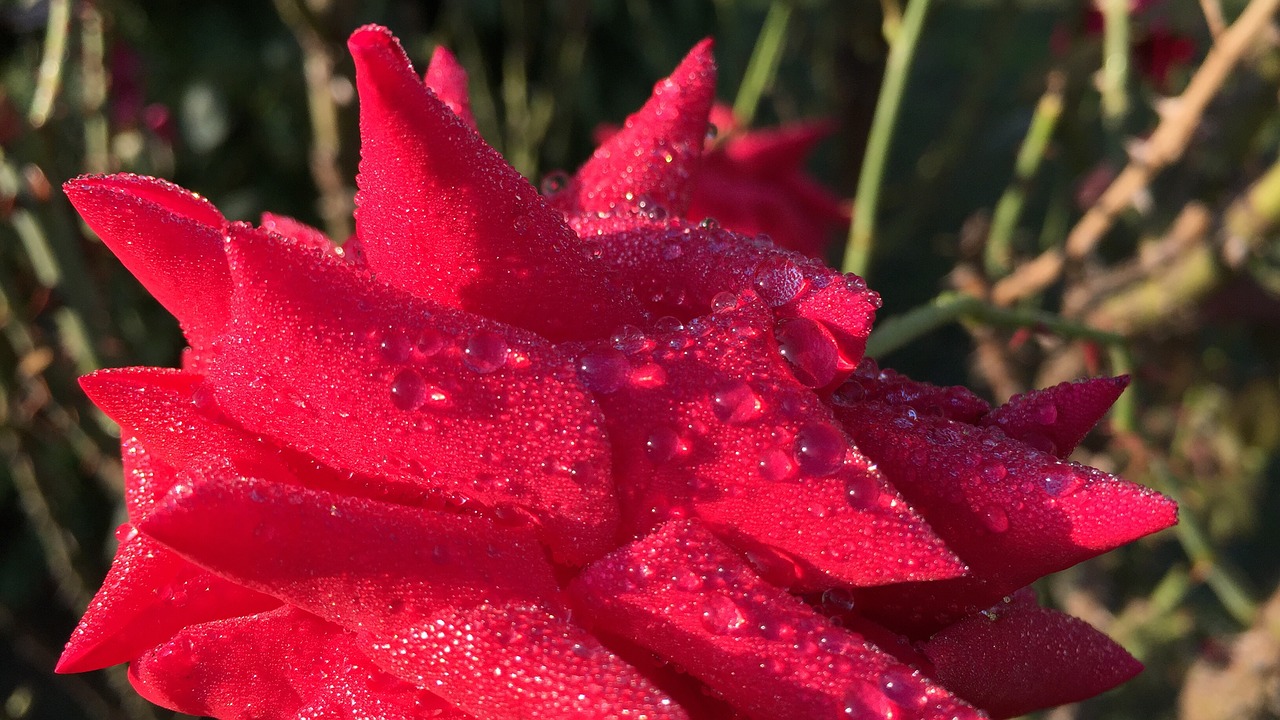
(838, 599)
(687, 580)
(735, 402)
(125, 533)
(629, 339)
(604, 370)
(902, 688)
(722, 616)
(430, 341)
(408, 390)
(485, 351)
(1046, 413)
(819, 449)
(724, 302)
(668, 324)
(778, 281)
(993, 473)
(712, 132)
(394, 347)
(1061, 480)
(861, 491)
(777, 629)
(665, 445)
(709, 223)
(776, 466)
(554, 182)
(995, 518)
(810, 350)
(175, 595)
(671, 249)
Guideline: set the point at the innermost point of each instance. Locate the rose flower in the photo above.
(507, 456)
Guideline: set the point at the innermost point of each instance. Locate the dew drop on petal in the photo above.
(722, 616)
(554, 182)
(1046, 413)
(709, 223)
(395, 347)
(604, 370)
(724, 302)
(735, 402)
(665, 445)
(994, 518)
(668, 324)
(902, 688)
(819, 449)
(862, 491)
(430, 341)
(778, 281)
(1061, 480)
(994, 472)
(810, 350)
(408, 391)
(485, 351)
(629, 339)
(776, 466)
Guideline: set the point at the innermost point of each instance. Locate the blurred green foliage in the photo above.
(252, 105)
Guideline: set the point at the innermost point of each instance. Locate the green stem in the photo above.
(49, 81)
(950, 307)
(867, 200)
(1115, 61)
(999, 255)
(762, 68)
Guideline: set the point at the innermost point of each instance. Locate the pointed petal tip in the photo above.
(370, 37)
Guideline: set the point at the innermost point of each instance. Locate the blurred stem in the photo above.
(326, 137)
(1004, 221)
(49, 79)
(1114, 80)
(950, 307)
(762, 68)
(97, 139)
(1223, 579)
(866, 201)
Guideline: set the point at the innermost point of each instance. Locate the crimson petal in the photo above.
(446, 77)
(298, 231)
(1056, 419)
(169, 238)
(280, 665)
(370, 380)
(441, 215)
(648, 165)
(745, 447)
(1012, 513)
(442, 599)
(1017, 658)
(149, 594)
(689, 598)
(870, 383)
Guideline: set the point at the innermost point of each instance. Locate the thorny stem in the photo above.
(1009, 208)
(950, 307)
(866, 202)
(762, 68)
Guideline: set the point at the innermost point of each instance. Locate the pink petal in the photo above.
(297, 231)
(871, 384)
(679, 269)
(441, 215)
(149, 594)
(280, 665)
(648, 165)
(708, 421)
(169, 238)
(690, 599)
(776, 150)
(1012, 513)
(442, 599)
(1018, 658)
(447, 78)
(367, 379)
(1056, 419)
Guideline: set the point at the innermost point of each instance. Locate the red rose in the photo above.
(504, 462)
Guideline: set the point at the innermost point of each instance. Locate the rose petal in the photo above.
(869, 383)
(169, 238)
(448, 80)
(298, 231)
(285, 664)
(1012, 513)
(648, 164)
(149, 594)
(370, 380)
(1014, 659)
(441, 215)
(146, 479)
(442, 599)
(679, 269)
(708, 421)
(1056, 419)
(689, 598)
